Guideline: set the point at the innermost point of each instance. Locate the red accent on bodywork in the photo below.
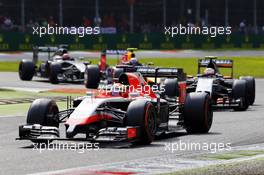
(88, 120)
(136, 82)
(182, 89)
(109, 94)
(102, 65)
(124, 59)
(131, 133)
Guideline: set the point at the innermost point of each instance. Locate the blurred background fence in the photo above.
(133, 23)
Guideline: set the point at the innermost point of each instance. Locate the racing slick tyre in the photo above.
(26, 70)
(92, 77)
(171, 87)
(44, 112)
(55, 69)
(143, 114)
(251, 88)
(198, 113)
(239, 91)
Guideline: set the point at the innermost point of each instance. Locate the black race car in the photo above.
(57, 67)
(224, 90)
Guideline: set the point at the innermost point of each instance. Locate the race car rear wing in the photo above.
(115, 52)
(220, 63)
(119, 52)
(156, 72)
(48, 49)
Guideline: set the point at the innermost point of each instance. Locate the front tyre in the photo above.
(55, 69)
(251, 88)
(26, 70)
(143, 114)
(197, 112)
(92, 77)
(44, 112)
(239, 92)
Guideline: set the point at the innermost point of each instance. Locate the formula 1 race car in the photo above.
(224, 90)
(57, 68)
(129, 111)
(94, 74)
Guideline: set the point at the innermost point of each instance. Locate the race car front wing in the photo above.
(41, 133)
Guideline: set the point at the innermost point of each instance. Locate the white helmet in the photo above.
(209, 71)
(66, 56)
(133, 60)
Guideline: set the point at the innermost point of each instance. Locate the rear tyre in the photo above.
(251, 88)
(92, 77)
(26, 70)
(55, 69)
(197, 112)
(44, 112)
(142, 113)
(171, 88)
(239, 91)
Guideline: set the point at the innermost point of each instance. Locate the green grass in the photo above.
(235, 154)
(228, 168)
(9, 66)
(253, 66)
(9, 94)
(14, 109)
(21, 109)
(242, 168)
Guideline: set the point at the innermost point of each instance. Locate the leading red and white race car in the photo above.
(130, 110)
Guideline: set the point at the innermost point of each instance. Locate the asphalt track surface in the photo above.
(140, 54)
(19, 157)
(11, 80)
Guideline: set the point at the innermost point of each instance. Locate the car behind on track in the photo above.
(225, 91)
(57, 68)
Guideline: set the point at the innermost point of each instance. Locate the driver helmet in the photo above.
(129, 56)
(66, 56)
(209, 71)
(133, 61)
(62, 51)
